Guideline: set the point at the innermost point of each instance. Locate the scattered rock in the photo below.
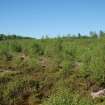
(100, 93)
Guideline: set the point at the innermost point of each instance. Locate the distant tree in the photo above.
(43, 37)
(93, 34)
(2, 36)
(69, 35)
(46, 36)
(73, 36)
(101, 33)
(79, 35)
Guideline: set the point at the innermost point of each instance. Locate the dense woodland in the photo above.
(52, 71)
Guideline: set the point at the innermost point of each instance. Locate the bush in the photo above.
(6, 55)
(16, 47)
(37, 49)
(65, 97)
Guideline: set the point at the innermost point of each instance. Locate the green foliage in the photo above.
(16, 46)
(65, 97)
(93, 34)
(102, 34)
(15, 89)
(32, 70)
(37, 49)
(5, 53)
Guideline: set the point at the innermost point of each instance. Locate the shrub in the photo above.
(37, 49)
(16, 47)
(5, 54)
(65, 97)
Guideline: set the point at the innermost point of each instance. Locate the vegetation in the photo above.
(52, 71)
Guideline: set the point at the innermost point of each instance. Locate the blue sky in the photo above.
(53, 17)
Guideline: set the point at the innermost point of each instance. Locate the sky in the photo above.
(36, 18)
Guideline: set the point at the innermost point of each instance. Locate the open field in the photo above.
(52, 71)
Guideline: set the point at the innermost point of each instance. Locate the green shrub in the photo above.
(65, 97)
(37, 49)
(16, 47)
(6, 55)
